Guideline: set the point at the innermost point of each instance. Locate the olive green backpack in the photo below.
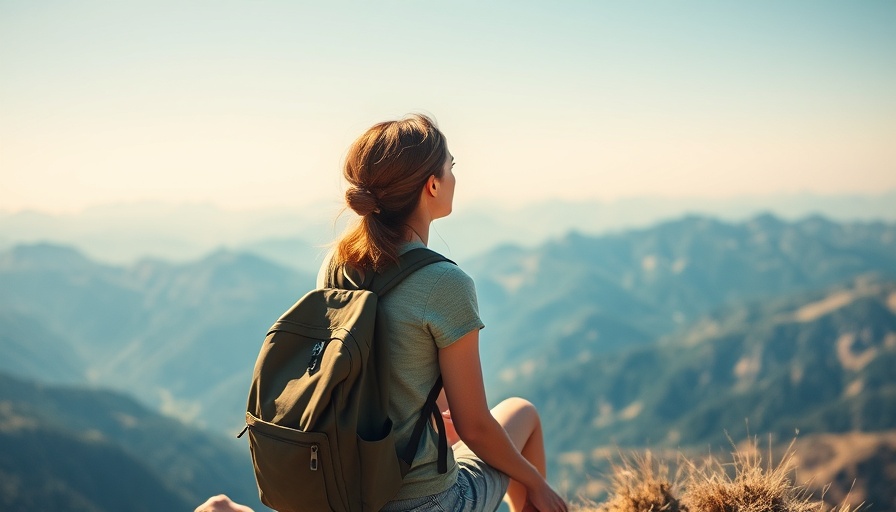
(317, 416)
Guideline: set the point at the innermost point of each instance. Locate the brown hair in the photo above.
(387, 168)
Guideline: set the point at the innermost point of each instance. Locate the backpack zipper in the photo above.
(313, 462)
(313, 457)
(314, 363)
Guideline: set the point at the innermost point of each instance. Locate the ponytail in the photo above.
(387, 168)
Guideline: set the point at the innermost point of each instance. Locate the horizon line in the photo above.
(475, 202)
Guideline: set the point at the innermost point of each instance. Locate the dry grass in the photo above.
(641, 483)
(752, 488)
(746, 484)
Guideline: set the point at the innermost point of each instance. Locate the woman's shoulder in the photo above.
(448, 272)
(438, 286)
(444, 273)
(449, 305)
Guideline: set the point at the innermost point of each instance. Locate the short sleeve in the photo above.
(451, 308)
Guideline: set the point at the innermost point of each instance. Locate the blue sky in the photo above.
(253, 104)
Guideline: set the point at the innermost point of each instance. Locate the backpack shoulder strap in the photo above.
(336, 277)
(381, 283)
(430, 410)
(409, 262)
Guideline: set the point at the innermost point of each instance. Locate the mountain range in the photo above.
(667, 336)
(182, 338)
(297, 236)
(581, 296)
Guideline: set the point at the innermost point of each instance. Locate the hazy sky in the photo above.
(247, 104)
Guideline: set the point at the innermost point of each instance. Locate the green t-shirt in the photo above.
(431, 309)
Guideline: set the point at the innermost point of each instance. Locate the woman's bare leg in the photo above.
(520, 419)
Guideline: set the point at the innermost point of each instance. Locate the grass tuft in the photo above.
(745, 485)
(639, 483)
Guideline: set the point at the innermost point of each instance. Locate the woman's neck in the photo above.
(417, 229)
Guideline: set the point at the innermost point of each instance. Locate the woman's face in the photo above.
(444, 189)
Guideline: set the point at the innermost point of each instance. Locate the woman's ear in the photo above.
(432, 185)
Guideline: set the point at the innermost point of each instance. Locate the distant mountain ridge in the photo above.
(184, 336)
(161, 331)
(122, 234)
(621, 290)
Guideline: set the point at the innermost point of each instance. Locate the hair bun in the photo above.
(362, 201)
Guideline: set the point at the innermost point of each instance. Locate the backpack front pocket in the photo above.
(294, 469)
(380, 471)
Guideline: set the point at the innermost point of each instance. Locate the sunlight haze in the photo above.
(246, 105)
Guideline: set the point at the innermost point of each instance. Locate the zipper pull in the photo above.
(314, 363)
(314, 457)
(243, 431)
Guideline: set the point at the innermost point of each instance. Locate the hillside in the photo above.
(819, 364)
(860, 467)
(67, 448)
(30, 348)
(94, 475)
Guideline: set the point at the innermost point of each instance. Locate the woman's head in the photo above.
(387, 169)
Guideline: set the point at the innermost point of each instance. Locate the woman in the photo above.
(401, 179)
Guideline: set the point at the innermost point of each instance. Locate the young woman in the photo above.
(401, 179)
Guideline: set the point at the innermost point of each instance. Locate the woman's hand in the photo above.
(498, 445)
(221, 503)
(543, 499)
(450, 432)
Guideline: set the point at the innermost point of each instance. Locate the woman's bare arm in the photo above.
(465, 393)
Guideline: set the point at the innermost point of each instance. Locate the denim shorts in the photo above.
(479, 487)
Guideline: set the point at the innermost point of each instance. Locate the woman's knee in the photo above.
(522, 424)
(519, 404)
(518, 409)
